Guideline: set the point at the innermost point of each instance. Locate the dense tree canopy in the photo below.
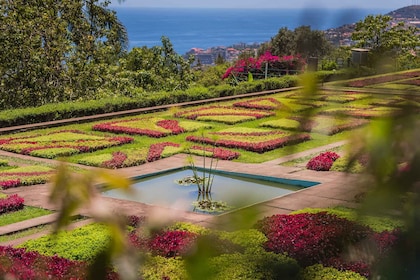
(385, 39)
(55, 50)
(302, 41)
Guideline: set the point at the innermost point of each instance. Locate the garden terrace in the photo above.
(143, 154)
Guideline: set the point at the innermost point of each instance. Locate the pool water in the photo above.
(237, 191)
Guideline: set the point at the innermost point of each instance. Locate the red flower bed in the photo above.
(258, 147)
(218, 152)
(260, 103)
(11, 203)
(155, 150)
(322, 162)
(9, 184)
(20, 264)
(171, 125)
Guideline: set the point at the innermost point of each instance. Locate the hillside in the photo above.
(409, 12)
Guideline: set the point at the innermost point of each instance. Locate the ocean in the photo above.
(205, 28)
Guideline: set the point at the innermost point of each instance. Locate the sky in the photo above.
(298, 4)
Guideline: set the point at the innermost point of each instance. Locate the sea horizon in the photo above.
(204, 28)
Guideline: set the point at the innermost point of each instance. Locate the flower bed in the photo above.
(224, 114)
(321, 238)
(267, 103)
(25, 176)
(118, 159)
(160, 150)
(322, 162)
(11, 203)
(254, 140)
(382, 79)
(60, 143)
(152, 127)
(215, 152)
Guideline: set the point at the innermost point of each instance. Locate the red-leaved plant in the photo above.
(322, 162)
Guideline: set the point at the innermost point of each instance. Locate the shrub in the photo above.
(161, 268)
(322, 162)
(319, 272)
(262, 265)
(310, 238)
(171, 243)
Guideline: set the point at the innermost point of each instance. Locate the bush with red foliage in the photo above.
(156, 150)
(172, 243)
(322, 162)
(310, 238)
(20, 264)
(13, 183)
(11, 203)
(117, 160)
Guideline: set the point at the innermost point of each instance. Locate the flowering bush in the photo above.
(310, 238)
(11, 183)
(11, 203)
(255, 65)
(322, 162)
(172, 243)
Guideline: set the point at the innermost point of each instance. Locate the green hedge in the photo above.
(319, 272)
(67, 110)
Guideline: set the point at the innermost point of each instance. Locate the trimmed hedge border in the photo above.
(158, 100)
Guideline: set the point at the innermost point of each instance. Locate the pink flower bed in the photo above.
(260, 103)
(322, 162)
(117, 127)
(11, 203)
(258, 147)
(13, 183)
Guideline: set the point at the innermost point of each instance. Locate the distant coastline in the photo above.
(206, 28)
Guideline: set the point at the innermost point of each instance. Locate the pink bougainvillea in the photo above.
(255, 65)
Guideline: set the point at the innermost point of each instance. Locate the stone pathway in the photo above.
(334, 188)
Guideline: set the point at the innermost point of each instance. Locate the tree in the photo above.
(385, 39)
(55, 50)
(158, 68)
(301, 41)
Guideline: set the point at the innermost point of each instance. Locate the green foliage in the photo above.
(385, 40)
(82, 244)
(157, 68)
(63, 58)
(250, 239)
(257, 265)
(319, 272)
(302, 41)
(343, 165)
(158, 268)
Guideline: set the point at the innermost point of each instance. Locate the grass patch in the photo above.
(24, 233)
(28, 212)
